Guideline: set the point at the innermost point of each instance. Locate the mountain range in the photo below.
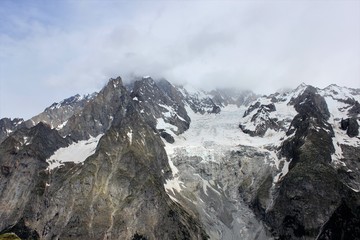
(154, 160)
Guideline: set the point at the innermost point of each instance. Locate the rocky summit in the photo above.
(152, 160)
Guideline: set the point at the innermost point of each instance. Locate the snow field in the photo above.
(76, 152)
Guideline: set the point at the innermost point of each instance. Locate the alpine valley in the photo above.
(150, 160)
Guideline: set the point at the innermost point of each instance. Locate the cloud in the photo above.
(50, 51)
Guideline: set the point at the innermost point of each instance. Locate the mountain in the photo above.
(153, 160)
(55, 115)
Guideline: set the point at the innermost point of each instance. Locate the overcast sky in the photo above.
(50, 50)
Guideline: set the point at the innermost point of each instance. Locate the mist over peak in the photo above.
(55, 50)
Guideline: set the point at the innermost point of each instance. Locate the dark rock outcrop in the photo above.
(344, 223)
(216, 109)
(351, 126)
(310, 103)
(166, 136)
(355, 109)
(261, 119)
(38, 142)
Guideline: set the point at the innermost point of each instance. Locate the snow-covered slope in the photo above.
(203, 165)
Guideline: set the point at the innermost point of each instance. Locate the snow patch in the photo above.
(115, 83)
(18, 123)
(76, 152)
(161, 124)
(355, 190)
(284, 171)
(339, 110)
(129, 135)
(27, 140)
(61, 125)
(206, 185)
(173, 184)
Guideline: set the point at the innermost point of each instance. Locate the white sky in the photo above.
(50, 50)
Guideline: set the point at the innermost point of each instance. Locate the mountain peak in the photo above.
(115, 82)
(302, 86)
(68, 101)
(148, 80)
